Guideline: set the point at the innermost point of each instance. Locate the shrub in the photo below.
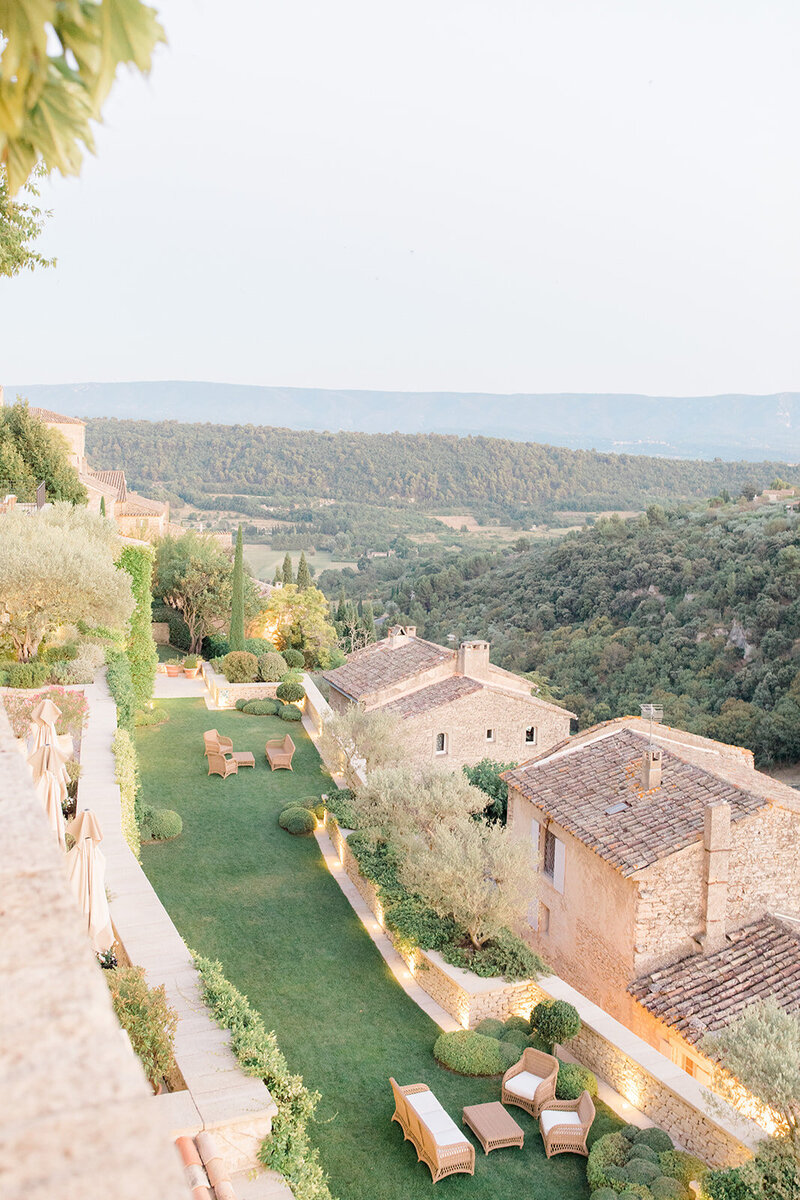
(26, 675)
(657, 1139)
(516, 1037)
(340, 803)
(126, 773)
(258, 646)
(297, 820)
(605, 1155)
(162, 824)
(290, 713)
(287, 1148)
(506, 955)
(215, 646)
(179, 635)
(291, 692)
(262, 708)
(680, 1165)
(292, 676)
(490, 1027)
(666, 1188)
(640, 1150)
(65, 653)
(555, 1021)
(471, 1053)
(66, 673)
(516, 1023)
(240, 667)
(120, 684)
(140, 647)
(216, 664)
(73, 705)
(191, 661)
(240, 703)
(639, 1170)
(294, 658)
(271, 666)
(629, 1131)
(74, 773)
(150, 716)
(574, 1079)
(605, 1193)
(146, 1017)
(728, 1184)
(418, 925)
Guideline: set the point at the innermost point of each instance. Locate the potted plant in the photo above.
(147, 1018)
(191, 666)
(174, 667)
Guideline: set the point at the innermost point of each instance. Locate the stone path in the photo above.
(179, 687)
(219, 1096)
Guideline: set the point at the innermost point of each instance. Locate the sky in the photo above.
(462, 195)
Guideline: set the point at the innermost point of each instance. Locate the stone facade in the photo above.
(160, 633)
(226, 694)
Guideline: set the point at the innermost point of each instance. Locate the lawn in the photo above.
(241, 890)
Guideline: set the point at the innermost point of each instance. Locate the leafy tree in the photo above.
(760, 1050)
(56, 569)
(303, 573)
(402, 805)
(749, 490)
(486, 776)
(20, 225)
(194, 576)
(298, 620)
(376, 737)
(475, 873)
(286, 574)
(32, 453)
(236, 635)
(57, 65)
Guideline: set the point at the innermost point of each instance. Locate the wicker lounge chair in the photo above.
(216, 743)
(530, 1083)
(279, 752)
(565, 1125)
(438, 1141)
(218, 764)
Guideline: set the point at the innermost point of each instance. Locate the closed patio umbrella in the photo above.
(43, 728)
(52, 792)
(86, 871)
(48, 758)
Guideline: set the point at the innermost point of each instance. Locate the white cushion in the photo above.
(523, 1085)
(424, 1103)
(551, 1117)
(444, 1129)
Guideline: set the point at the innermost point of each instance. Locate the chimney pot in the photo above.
(651, 768)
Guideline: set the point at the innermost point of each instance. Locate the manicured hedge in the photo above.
(120, 684)
(271, 666)
(140, 646)
(240, 667)
(574, 1079)
(293, 658)
(161, 824)
(126, 773)
(179, 635)
(470, 1053)
(290, 713)
(291, 692)
(296, 819)
(268, 707)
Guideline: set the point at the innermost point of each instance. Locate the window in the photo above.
(549, 856)
(490, 735)
(553, 860)
(544, 919)
(530, 735)
(441, 743)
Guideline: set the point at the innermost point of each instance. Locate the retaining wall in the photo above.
(226, 694)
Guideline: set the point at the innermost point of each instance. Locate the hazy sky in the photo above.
(509, 195)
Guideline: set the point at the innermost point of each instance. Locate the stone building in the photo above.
(667, 866)
(458, 707)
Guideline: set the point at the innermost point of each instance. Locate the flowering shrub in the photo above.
(73, 705)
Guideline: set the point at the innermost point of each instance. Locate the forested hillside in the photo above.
(698, 610)
(516, 478)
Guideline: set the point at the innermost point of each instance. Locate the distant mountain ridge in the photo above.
(727, 426)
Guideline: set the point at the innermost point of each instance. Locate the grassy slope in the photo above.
(242, 890)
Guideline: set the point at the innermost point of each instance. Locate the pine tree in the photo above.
(303, 573)
(236, 635)
(102, 506)
(286, 574)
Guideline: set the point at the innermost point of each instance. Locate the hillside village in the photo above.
(586, 912)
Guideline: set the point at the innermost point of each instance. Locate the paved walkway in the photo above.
(219, 1097)
(178, 687)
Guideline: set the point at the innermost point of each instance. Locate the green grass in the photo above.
(263, 560)
(261, 901)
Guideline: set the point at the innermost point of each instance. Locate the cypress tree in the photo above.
(236, 635)
(368, 618)
(277, 577)
(102, 506)
(303, 573)
(341, 611)
(286, 575)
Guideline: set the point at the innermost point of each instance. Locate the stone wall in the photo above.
(160, 633)
(648, 1080)
(226, 694)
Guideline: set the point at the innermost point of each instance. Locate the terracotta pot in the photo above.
(191, 672)
(173, 670)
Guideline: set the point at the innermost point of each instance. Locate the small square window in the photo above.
(544, 919)
(490, 735)
(441, 743)
(530, 735)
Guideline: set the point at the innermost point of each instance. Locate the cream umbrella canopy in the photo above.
(43, 728)
(52, 791)
(48, 758)
(86, 871)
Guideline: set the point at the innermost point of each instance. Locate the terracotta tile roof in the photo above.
(112, 479)
(428, 698)
(577, 786)
(139, 506)
(53, 418)
(704, 992)
(382, 665)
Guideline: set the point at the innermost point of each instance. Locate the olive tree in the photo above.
(402, 805)
(57, 568)
(378, 738)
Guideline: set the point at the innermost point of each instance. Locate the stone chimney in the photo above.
(651, 768)
(717, 849)
(399, 634)
(473, 659)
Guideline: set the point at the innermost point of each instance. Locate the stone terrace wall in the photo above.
(648, 1080)
(226, 694)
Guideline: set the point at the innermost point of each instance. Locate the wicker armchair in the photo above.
(216, 743)
(565, 1125)
(531, 1083)
(279, 752)
(218, 764)
(438, 1141)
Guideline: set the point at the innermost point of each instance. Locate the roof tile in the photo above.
(382, 665)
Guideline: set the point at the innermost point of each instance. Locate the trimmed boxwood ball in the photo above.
(162, 824)
(609, 1153)
(240, 705)
(656, 1138)
(666, 1188)
(290, 692)
(517, 1023)
(293, 658)
(271, 666)
(605, 1193)
(470, 1053)
(574, 1079)
(680, 1165)
(639, 1170)
(629, 1131)
(297, 820)
(261, 708)
(240, 667)
(640, 1150)
(290, 712)
(555, 1021)
(515, 1037)
(490, 1027)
